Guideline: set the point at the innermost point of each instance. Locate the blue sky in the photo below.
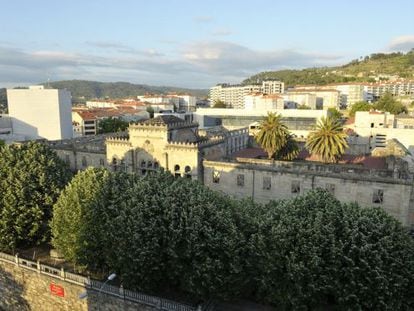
(191, 43)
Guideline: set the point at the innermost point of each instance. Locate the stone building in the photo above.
(212, 156)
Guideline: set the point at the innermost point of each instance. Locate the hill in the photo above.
(83, 90)
(358, 70)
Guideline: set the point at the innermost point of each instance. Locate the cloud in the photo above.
(203, 19)
(222, 32)
(221, 57)
(198, 64)
(402, 43)
(123, 48)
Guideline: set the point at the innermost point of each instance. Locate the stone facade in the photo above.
(264, 180)
(171, 143)
(26, 285)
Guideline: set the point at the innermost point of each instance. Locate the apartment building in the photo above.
(234, 95)
(325, 97)
(396, 88)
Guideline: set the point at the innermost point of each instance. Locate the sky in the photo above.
(194, 44)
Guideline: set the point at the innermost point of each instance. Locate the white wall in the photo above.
(41, 113)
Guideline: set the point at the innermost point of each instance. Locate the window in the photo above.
(295, 186)
(240, 180)
(84, 162)
(143, 167)
(187, 171)
(177, 171)
(267, 183)
(216, 177)
(330, 188)
(156, 165)
(378, 196)
(101, 162)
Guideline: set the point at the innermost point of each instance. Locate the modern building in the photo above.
(234, 95)
(395, 88)
(325, 97)
(40, 113)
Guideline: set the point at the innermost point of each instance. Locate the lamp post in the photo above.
(84, 294)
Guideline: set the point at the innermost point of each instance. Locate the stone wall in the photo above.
(26, 285)
(264, 181)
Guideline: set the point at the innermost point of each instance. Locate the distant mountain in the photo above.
(83, 90)
(358, 70)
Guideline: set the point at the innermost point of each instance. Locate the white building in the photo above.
(296, 99)
(40, 113)
(262, 101)
(325, 98)
(234, 95)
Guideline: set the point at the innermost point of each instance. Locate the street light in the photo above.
(110, 277)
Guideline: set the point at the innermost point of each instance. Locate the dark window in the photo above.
(267, 183)
(101, 162)
(295, 187)
(84, 162)
(378, 196)
(177, 172)
(187, 171)
(156, 165)
(330, 188)
(240, 180)
(216, 177)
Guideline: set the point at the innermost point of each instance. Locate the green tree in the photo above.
(2, 143)
(151, 111)
(328, 141)
(304, 107)
(388, 103)
(112, 125)
(289, 151)
(312, 251)
(273, 134)
(334, 113)
(31, 178)
(360, 106)
(219, 104)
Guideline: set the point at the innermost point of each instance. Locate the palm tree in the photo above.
(273, 134)
(289, 151)
(328, 142)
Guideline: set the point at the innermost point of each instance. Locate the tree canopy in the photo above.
(328, 141)
(161, 233)
(388, 103)
(274, 137)
(31, 178)
(360, 106)
(112, 125)
(219, 104)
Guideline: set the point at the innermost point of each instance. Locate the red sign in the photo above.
(57, 290)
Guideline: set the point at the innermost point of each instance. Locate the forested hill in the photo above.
(82, 89)
(360, 70)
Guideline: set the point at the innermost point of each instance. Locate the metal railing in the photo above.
(120, 292)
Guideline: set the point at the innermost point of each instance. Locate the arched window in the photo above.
(149, 164)
(177, 171)
(156, 165)
(187, 171)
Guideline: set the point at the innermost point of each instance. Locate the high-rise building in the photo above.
(40, 113)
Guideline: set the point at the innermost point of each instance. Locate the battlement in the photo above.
(118, 140)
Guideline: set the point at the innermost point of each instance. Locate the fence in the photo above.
(159, 303)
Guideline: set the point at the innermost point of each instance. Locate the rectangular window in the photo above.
(378, 196)
(240, 180)
(330, 188)
(216, 177)
(295, 186)
(267, 183)
(84, 162)
(101, 162)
